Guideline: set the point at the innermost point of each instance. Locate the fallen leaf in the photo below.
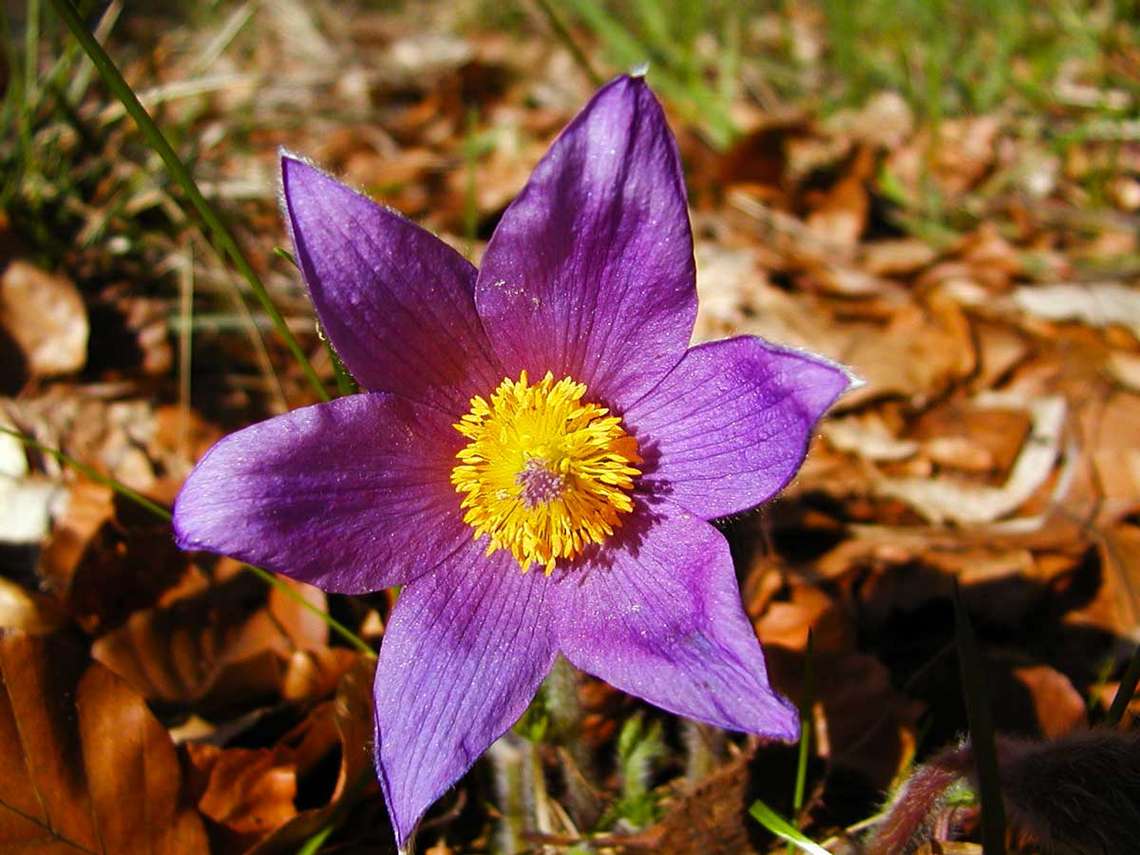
(1059, 707)
(44, 314)
(178, 651)
(250, 791)
(943, 499)
(898, 257)
(708, 818)
(86, 766)
(351, 714)
(22, 609)
(26, 501)
(1098, 304)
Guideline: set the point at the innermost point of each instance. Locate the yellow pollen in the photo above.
(543, 475)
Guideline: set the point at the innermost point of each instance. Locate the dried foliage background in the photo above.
(945, 197)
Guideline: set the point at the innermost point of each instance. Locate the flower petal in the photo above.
(396, 301)
(463, 655)
(661, 619)
(590, 271)
(351, 496)
(730, 425)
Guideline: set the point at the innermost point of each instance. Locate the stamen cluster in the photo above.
(544, 475)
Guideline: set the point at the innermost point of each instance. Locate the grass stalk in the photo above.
(563, 34)
(806, 703)
(981, 730)
(1126, 691)
(220, 235)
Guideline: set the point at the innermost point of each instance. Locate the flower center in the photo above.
(543, 475)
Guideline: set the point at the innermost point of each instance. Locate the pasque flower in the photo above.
(536, 458)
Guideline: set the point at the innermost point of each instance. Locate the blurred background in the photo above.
(943, 195)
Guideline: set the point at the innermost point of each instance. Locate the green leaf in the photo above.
(784, 829)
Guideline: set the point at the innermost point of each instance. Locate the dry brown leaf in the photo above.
(840, 215)
(899, 257)
(315, 672)
(885, 121)
(1124, 368)
(1059, 707)
(86, 766)
(103, 566)
(868, 436)
(866, 724)
(708, 818)
(944, 499)
(351, 716)
(1098, 304)
(248, 791)
(27, 502)
(973, 438)
(917, 355)
(807, 609)
(22, 609)
(181, 650)
(44, 314)
(1114, 447)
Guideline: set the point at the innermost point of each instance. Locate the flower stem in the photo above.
(565, 711)
(704, 747)
(506, 756)
(221, 237)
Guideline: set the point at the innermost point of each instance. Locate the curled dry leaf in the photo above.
(1059, 707)
(1098, 304)
(247, 791)
(179, 651)
(104, 561)
(351, 717)
(944, 499)
(85, 766)
(251, 794)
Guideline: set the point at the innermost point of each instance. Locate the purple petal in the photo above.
(395, 300)
(730, 425)
(463, 655)
(590, 271)
(660, 617)
(350, 496)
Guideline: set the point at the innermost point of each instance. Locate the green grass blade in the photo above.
(571, 44)
(31, 52)
(805, 731)
(92, 473)
(219, 233)
(981, 730)
(1126, 691)
(313, 844)
(784, 829)
(164, 514)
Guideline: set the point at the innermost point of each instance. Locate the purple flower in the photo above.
(537, 456)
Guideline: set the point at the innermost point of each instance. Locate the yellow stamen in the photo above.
(544, 475)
